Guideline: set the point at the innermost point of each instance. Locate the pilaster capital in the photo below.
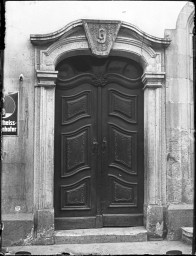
(153, 80)
(46, 79)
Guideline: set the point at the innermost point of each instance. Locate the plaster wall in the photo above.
(17, 165)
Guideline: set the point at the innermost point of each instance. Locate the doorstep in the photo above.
(101, 235)
(187, 235)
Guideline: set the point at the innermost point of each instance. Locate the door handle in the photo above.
(95, 146)
(104, 145)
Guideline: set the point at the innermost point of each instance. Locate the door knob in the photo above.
(95, 146)
(104, 144)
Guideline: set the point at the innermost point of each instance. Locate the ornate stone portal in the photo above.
(101, 38)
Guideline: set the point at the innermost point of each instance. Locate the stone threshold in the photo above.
(187, 235)
(101, 235)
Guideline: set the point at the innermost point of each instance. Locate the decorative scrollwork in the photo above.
(99, 80)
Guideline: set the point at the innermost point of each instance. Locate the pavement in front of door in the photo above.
(137, 248)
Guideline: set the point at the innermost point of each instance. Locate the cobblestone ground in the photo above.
(155, 247)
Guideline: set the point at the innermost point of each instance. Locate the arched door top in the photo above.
(123, 67)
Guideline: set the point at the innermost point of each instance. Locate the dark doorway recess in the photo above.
(99, 151)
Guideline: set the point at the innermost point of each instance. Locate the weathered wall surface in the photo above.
(17, 168)
(179, 107)
(17, 151)
(180, 122)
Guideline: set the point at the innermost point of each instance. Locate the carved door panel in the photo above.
(75, 155)
(122, 149)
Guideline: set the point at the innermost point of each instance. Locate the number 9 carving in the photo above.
(101, 36)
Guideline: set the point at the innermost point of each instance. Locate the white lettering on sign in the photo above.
(8, 122)
(8, 129)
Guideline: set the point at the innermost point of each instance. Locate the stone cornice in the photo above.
(147, 38)
(45, 39)
(46, 79)
(137, 43)
(153, 80)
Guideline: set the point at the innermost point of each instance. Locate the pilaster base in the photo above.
(18, 229)
(178, 216)
(154, 220)
(44, 227)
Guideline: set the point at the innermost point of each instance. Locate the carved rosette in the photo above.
(99, 80)
(101, 35)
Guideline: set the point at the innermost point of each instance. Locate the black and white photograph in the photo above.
(97, 128)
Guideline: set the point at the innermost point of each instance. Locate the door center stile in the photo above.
(99, 222)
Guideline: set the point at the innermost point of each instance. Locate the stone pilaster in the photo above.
(154, 144)
(43, 156)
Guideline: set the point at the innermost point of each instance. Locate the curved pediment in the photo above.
(66, 31)
(130, 31)
(115, 29)
(100, 38)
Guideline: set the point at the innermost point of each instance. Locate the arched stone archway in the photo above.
(73, 40)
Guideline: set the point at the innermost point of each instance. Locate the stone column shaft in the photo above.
(44, 156)
(154, 136)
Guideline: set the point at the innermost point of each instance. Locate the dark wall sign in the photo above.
(9, 123)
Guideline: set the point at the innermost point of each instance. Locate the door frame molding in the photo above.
(131, 43)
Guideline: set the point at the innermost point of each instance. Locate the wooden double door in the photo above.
(98, 144)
